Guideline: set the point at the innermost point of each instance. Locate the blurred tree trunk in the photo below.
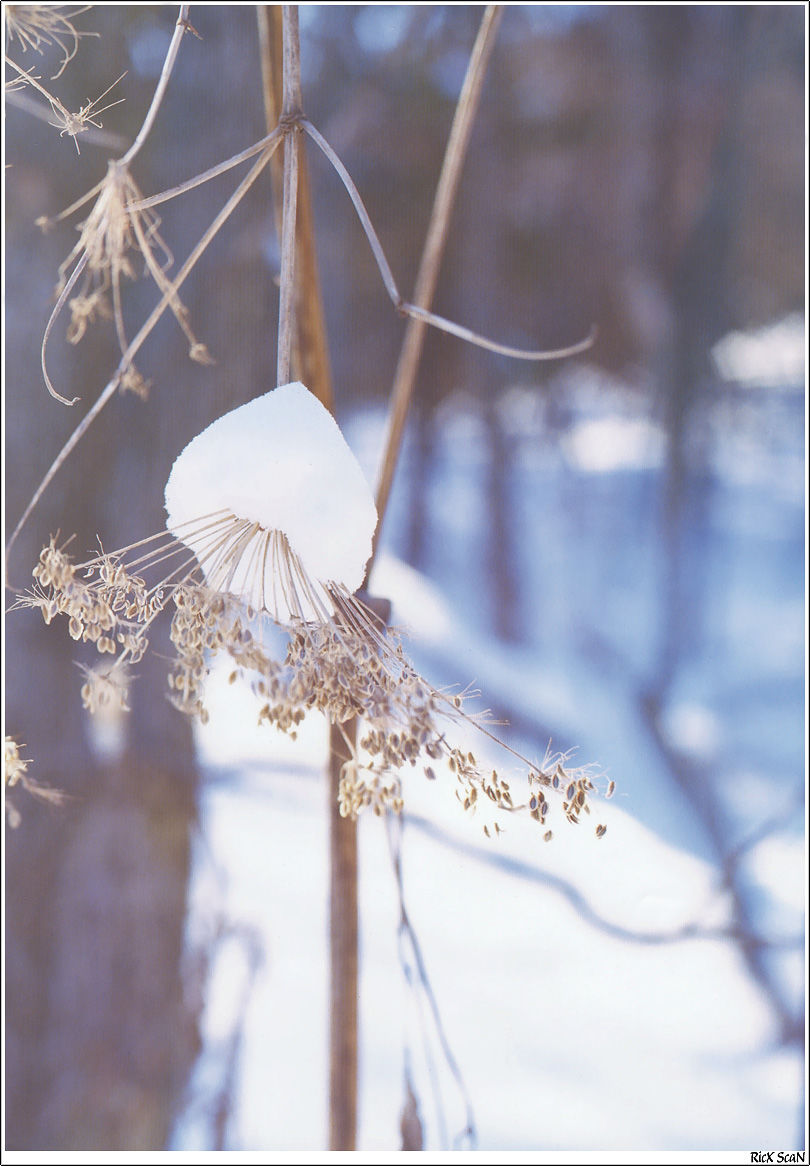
(695, 220)
(502, 551)
(422, 459)
(99, 1041)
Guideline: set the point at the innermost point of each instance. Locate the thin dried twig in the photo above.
(157, 98)
(207, 175)
(60, 303)
(408, 940)
(404, 307)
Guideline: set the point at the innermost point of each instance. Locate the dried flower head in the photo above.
(114, 232)
(42, 26)
(262, 579)
(15, 772)
(63, 119)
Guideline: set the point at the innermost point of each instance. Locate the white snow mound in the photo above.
(282, 462)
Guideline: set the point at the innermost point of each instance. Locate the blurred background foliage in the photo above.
(637, 167)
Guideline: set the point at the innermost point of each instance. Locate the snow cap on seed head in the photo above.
(281, 462)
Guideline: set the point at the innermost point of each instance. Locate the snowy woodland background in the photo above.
(610, 548)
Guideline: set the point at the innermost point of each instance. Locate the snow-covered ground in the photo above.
(588, 989)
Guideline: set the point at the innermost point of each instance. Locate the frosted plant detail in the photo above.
(269, 529)
(289, 514)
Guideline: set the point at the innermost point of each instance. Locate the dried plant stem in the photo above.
(311, 360)
(60, 303)
(343, 948)
(29, 79)
(270, 23)
(290, 111)
(207, 175)
(428, 275)
(74, 206)
(363, 215)
(404, 307)
(157, 97)
(310, 357)
(126, 359)
(286, 308)
(412, 960)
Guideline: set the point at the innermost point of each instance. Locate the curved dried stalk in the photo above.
(180, 28)
(407, 309)
(66, 290)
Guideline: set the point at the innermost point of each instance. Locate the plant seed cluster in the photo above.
(348, 666)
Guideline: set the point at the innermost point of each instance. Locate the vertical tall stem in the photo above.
(310, 356)
(291, 108)
(310, 359)
(343, 943)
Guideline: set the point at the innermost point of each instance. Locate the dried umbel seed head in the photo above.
(42, 26)
(115, 236)
(15, 773)
(262, 582)
(347, 664)
(14, 766)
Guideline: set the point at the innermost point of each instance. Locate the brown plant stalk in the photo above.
(307, 352)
